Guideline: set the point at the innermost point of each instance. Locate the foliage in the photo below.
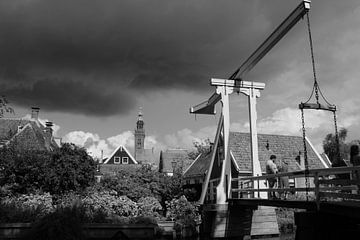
(183, 212)
(144, 183)
(110, 204)
(285, 219)
(15, 212)
(25, 208)
(70, 168)
(22, 171)
(202, 147)
(63, 223)
(25, 171)
(4, 108)
(330, 146)
(149, 206)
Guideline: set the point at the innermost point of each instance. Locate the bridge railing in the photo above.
(335, 184)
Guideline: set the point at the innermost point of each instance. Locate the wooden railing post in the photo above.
(317, 190)
(258, 187)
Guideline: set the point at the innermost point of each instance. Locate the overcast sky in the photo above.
(89, 65)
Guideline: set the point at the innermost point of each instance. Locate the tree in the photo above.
(4, 108)
(330, 147)
(22, 171)
(202, 147)
(69, 168)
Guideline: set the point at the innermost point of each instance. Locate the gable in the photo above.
(121, 156)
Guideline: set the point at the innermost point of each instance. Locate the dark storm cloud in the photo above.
(130, 45)
(69, 96)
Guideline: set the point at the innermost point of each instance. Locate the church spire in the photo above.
(139, 134)
(140, 121)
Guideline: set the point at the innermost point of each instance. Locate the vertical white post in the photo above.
(223, 189)
(256, 168)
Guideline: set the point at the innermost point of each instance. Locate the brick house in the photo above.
(174, 159)
(121, 158)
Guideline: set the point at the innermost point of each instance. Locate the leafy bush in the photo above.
(285, 218)
(25, 208)
(149, 206)
(110, 204)
(26, 171)
(12, 212)
(183, 212)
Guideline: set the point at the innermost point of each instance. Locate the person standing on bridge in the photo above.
(283, 180)
(271, 168)
(355, 161)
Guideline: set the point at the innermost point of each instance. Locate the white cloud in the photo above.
(81, 138)
(185, 138)
(98, 147)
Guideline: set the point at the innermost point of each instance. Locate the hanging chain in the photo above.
(307, 185)
(338, 156)
(316, 87)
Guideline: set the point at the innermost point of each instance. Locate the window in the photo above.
(117, 160)
(125, 160)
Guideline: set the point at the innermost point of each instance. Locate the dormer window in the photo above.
(117, 160)
(125, 160)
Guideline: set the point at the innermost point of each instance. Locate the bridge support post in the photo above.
(252, 94)
(224, 188)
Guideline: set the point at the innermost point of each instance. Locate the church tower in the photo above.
(139, 135)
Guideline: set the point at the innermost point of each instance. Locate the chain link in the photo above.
(312, 58)
(338, 156)
(307, 183)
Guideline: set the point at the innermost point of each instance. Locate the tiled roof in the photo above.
(31, 136)
(180, 156)
(200, 166)
(147, 156)
(286, 148)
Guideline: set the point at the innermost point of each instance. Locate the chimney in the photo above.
(48, 134)
(211, 147)
(35, 113)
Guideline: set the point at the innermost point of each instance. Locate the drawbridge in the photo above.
(238, 206)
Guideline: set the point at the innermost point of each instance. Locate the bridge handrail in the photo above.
(321, 185)
(301, 173)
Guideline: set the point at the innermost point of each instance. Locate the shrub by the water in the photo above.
(184, 213)
(25, 207)
(62, 224)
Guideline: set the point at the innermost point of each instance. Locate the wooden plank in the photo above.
(310, 189)
(264, 218)
(340, 195)
(339, 181)
(331, 108)
(310, 205)
(264, 222)
(351, 187)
